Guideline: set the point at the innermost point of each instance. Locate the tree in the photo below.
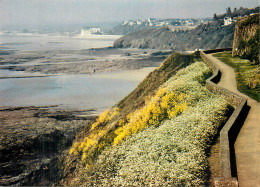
(235, 9)
(228, 11)
(215, 16)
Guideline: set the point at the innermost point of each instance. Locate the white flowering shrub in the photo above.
(172, 154)
(189, 81)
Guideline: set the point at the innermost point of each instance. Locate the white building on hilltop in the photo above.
(228, 21)
(90, 31)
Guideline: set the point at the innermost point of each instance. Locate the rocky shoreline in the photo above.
(32, 138)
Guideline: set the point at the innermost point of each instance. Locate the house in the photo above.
(88, 31)
(228, 21)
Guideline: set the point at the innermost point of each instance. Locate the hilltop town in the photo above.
(134, 25)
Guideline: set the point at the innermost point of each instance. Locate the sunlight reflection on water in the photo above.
(98, 91)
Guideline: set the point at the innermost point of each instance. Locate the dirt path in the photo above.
(247, 145)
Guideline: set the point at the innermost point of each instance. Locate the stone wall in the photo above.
(246, 38)
(230, 130)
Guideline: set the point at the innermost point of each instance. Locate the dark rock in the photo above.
(32, 139)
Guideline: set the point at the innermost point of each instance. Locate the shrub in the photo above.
(161, 143)
(105, 117)
(162, 106)
(172, 150)
(97, 133)
(172, 154)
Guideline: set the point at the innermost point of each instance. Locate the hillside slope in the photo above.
(136, 99)
(137, 130)
(131, 26)
(206, 36)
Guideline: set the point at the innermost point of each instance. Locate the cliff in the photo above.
(206, 36)
(246, 38)
(211, 35)
(31, 140)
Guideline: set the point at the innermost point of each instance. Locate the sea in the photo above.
(97, 91)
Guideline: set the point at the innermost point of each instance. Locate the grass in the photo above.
(247, 74)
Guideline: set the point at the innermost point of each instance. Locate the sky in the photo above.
(66, 12)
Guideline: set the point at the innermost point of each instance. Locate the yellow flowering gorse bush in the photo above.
(92, 140)
(164, 105)
(105, 117)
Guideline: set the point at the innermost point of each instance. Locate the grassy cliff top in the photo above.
(253, 19)
(247, 74)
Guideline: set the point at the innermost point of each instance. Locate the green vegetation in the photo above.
(115, 125)
(207, 36)
(246, 42)
(250, 48)
(149, 86)
(247, 74)
(170, 155)
(162, 141)
(250, 20)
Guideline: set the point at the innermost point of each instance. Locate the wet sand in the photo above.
(80, 61)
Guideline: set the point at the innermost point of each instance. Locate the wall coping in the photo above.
(228, 132)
